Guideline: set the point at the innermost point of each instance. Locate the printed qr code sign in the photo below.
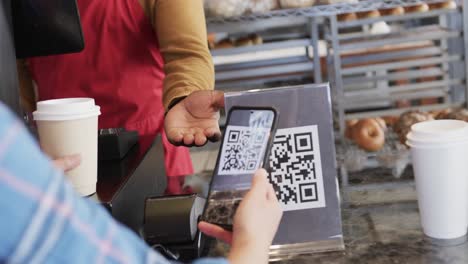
(242, 150)
(303, 142)
(308, 192)
(296, 168)
(233, 136)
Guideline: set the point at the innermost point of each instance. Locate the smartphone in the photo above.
(245, 148)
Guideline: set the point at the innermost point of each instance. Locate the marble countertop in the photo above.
(386, 233)
(382, 226)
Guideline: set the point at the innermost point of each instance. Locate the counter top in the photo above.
(381, 226)
(386, 233)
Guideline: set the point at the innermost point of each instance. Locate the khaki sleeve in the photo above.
(181, 30)
(28, 96)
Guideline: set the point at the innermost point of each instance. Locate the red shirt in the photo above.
(121, 67)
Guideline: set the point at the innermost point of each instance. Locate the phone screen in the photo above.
(245, 146)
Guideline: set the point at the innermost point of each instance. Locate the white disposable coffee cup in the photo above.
(67, 127)
(439, 151)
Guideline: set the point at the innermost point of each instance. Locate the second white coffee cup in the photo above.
(439, 150)
(67, 127)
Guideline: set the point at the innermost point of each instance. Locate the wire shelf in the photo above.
(316, 11)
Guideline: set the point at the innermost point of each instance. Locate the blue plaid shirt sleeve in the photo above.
(44, 221)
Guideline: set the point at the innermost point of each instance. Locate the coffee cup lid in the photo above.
(66, 109)
(437, 132)
(435, 144)
(438, 128)
(432, 145)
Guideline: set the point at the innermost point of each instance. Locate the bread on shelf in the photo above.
(347, 17)
(256, 39)
(368, 14)
(417, 8)
(295, 3)
(406, 120)
(224, 44)
(243, 41)
(225, 8)
(396, 11)
(369, 134)
(261, 6)
(443, 5)
(390, 121)
(349, 128)
(442, 114)
(458, 114)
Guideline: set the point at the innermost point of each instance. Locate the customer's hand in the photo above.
(255, 223)
(67, 163)
(216, 232)
(194, 120)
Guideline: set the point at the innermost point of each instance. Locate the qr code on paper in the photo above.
(242, 150)
(296, 168)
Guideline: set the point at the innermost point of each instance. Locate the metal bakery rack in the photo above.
(372, 74)
(419, 64)
(298, 36)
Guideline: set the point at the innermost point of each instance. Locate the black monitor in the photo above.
(46, 27)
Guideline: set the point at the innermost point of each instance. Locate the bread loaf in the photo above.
(261, 6)
(369, 134)
(296, 3)
(226, 8)
(417, 8)
(407, 119)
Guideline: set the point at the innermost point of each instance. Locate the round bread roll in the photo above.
(211, 40)
(349, 128)
(211, 45)
(449, 5)
(381, 123)
(417, 8)
(429, 101)
(458, 114)
(224, 44)
(261, 6)
(244, 41)
(368, 14)
(442, 114)
(402, 103)
(368, 135)
(435, 113)
(347, 17)
(390, 120)
(443, 5)
(226, 8)
(392, 11)
(295, 3)
(411, 117)
(256, 39)
(351, 122)
(407, 119)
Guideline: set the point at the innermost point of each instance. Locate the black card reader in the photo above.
(115, 143)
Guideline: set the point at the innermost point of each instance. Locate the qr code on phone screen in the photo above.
(243, 149)
(296, 168)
